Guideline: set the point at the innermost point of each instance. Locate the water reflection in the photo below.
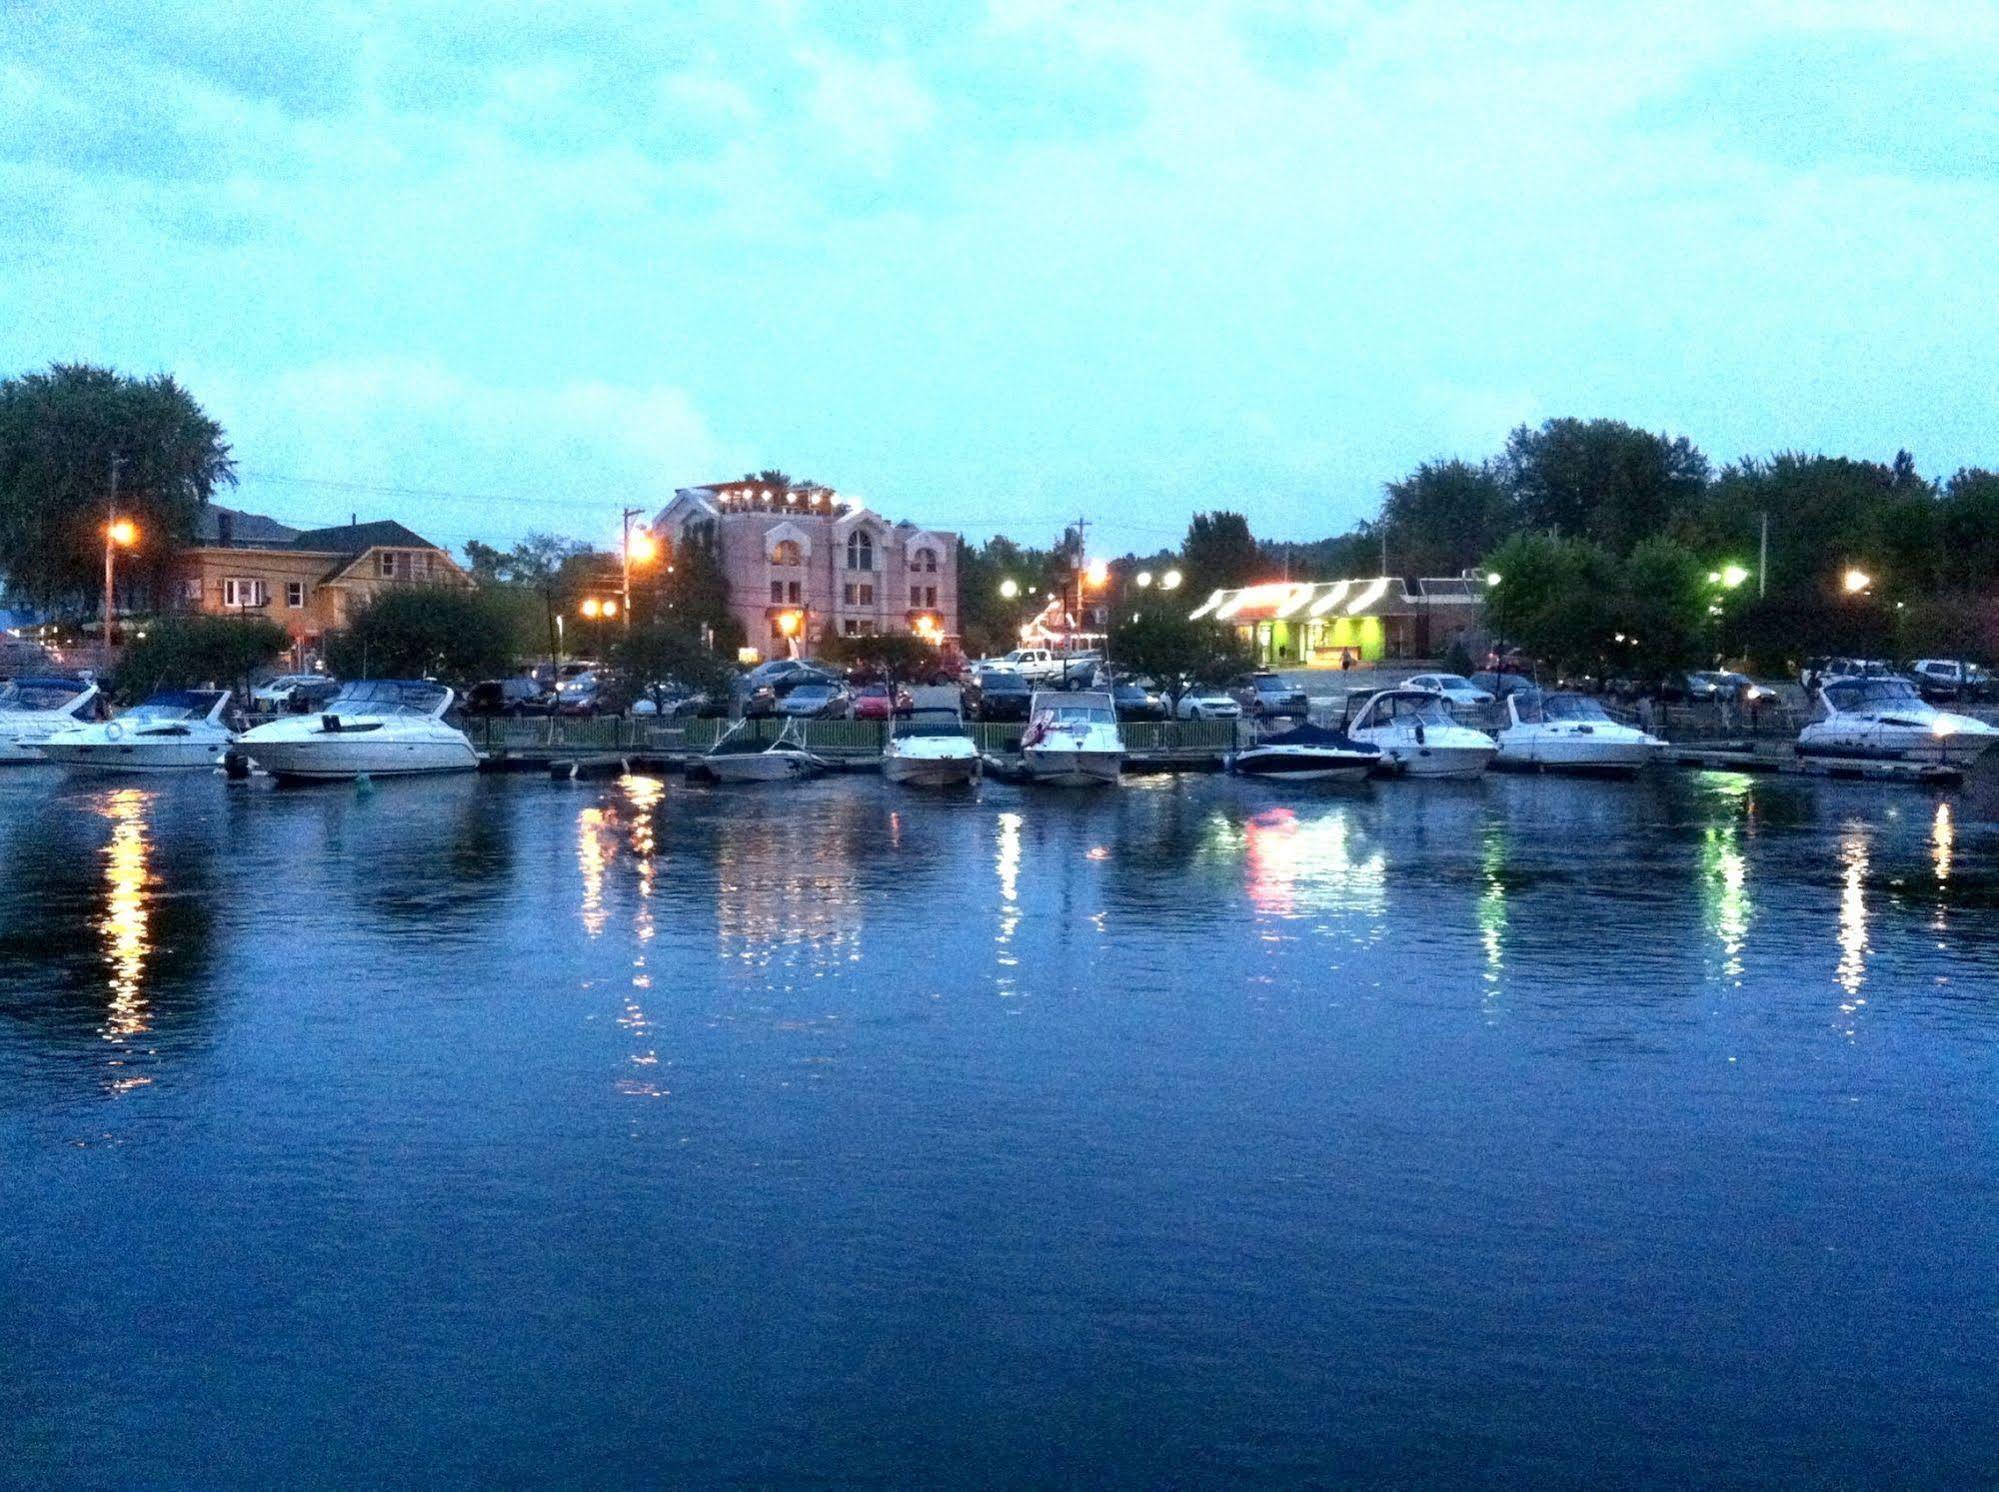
(594, 849)
(644, 795)
(126, 923)
(1852, 970)
(1293, 865)
(1724, 881)
(1006, 865)
(1492, 903)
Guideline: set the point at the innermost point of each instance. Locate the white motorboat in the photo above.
(1418, 736)
(1072, 739)
(931, 748)
(32, 710)
(178, 731)
(1885, 719)
(1306, 753)
(371, 728)
(1570, 732)
(738, 756)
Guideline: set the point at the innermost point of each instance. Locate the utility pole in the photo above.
(110, 546)
(1763, 560)
(625, 555)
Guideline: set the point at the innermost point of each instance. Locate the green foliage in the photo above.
(199, 651)
(896, 655)
(1662, 608)
(432, 631)
(694, 592)
(60, 432)
(1602, 480)
(1557, 597)
(988, 621)
(1443, 517)
(1177, 653)
(1219, 553)
(662, 653)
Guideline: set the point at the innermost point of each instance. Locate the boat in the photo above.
(1072, 738)
(371, 728)
(1306, 753)
(1418, 736)
(931, 748)
(1569, 732)
(181, 730)
(1885, 719)
(740, 757)
(33, 709)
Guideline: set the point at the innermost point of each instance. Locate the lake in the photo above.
(487, 1128)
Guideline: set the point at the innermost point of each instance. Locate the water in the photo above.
(486, 1128)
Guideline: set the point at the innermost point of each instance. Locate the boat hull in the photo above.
(1057, 767)
(1577, 753)
(758, 766)
(1296, 764)
(143, 756)
(1891, 744)
(934, 771)
(324, 761)
(1438, 761)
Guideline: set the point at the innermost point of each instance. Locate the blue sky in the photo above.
(989, 265)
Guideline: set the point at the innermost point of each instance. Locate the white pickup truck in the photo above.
(1047, 666)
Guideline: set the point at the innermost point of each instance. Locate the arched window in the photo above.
(926, 561)
(787, 552)
(860, 551)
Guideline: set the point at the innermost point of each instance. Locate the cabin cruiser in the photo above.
(1885, 719)
(371, 728)
(1306, 753)
(181, 730)
(32, 710)
(1571, 732)
(931, 748)
(1072, 738)
(1417, 735)
(738, 756)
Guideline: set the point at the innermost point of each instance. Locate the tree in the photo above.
(1220, 553)
(1558, 598)
(1445, 516)
(1968, 529)
(1179, 654)
(430, 631)
(1662, 608)
(648, 658)
(988, 619)
(899, 656)
(1602, 480)
(695, 593)
(198, 651)
(61, 434)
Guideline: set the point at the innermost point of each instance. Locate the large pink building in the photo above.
(802, 559)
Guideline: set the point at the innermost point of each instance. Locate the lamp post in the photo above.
(643, 549)
(119, 533)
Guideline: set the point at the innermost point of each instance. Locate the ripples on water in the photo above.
(1195, 1130)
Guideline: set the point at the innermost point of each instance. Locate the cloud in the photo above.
(868, 108)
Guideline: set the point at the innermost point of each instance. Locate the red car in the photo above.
(873, 702)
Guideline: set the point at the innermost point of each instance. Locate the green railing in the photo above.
(836, 738)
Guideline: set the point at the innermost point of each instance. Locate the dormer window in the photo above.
(787, 552)
(925, 561)
(860, 551)
(385, 564)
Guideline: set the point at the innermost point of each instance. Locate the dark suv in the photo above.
(998, 695)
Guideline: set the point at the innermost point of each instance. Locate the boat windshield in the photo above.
(1572, 707)
(1079, 714)
(179, 704)
(1407, 707)
(388, 697)
(1872, 694)
(39, 694)
(934, 725)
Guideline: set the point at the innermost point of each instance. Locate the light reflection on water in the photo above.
(1852, 969)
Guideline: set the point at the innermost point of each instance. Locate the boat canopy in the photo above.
(930, 720)
(389, 697)
(1410, 706)
(1849, 695)
(180, 704)
(1532, 707)
(1308, 734)
(40, 693)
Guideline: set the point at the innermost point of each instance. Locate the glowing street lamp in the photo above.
(1856, 580)
(1142, 579)
(1170, 581)
(1098, 574)
(119, 533)
(1009, 588)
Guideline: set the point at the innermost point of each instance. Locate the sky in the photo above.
(995, 264)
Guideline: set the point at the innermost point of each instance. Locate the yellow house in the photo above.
(306, 581)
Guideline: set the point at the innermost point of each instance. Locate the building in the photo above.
(308, 581)
(805, 559)
(1301, 623)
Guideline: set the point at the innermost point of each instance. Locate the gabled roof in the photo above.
(232, 528)
(358, 538)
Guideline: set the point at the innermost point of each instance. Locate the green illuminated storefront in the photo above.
(1318, 624)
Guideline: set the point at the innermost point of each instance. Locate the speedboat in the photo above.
(181, 730)
(32, 710)
(1572, 732)
(1417, 735)
(931, 748)
(1885, 719)
(1307, 753)
(371, 728)
(740, 757)
(1072, 738)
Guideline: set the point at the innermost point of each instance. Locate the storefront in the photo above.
(1308, 624)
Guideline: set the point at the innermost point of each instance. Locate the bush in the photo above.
(432, 631)
(190, 652)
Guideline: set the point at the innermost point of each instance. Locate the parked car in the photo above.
(1207, 704)
(1455, 687)
(1819, 671)
(878, 702)
(1133, 701)
(1950, 678)
(815, 701)
(519, 695)
(1499, 685)
(782, 675)
(1268, 695)
(580, 694)
(997, 694)
(1718, 686)
(277, 695)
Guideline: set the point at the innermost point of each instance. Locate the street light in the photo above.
(590, 607)
(1857, 580)
(119, 533)
(1142, 579)
(1098, 574)
(1170, 581)
(1009, 588)
(641, 548)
